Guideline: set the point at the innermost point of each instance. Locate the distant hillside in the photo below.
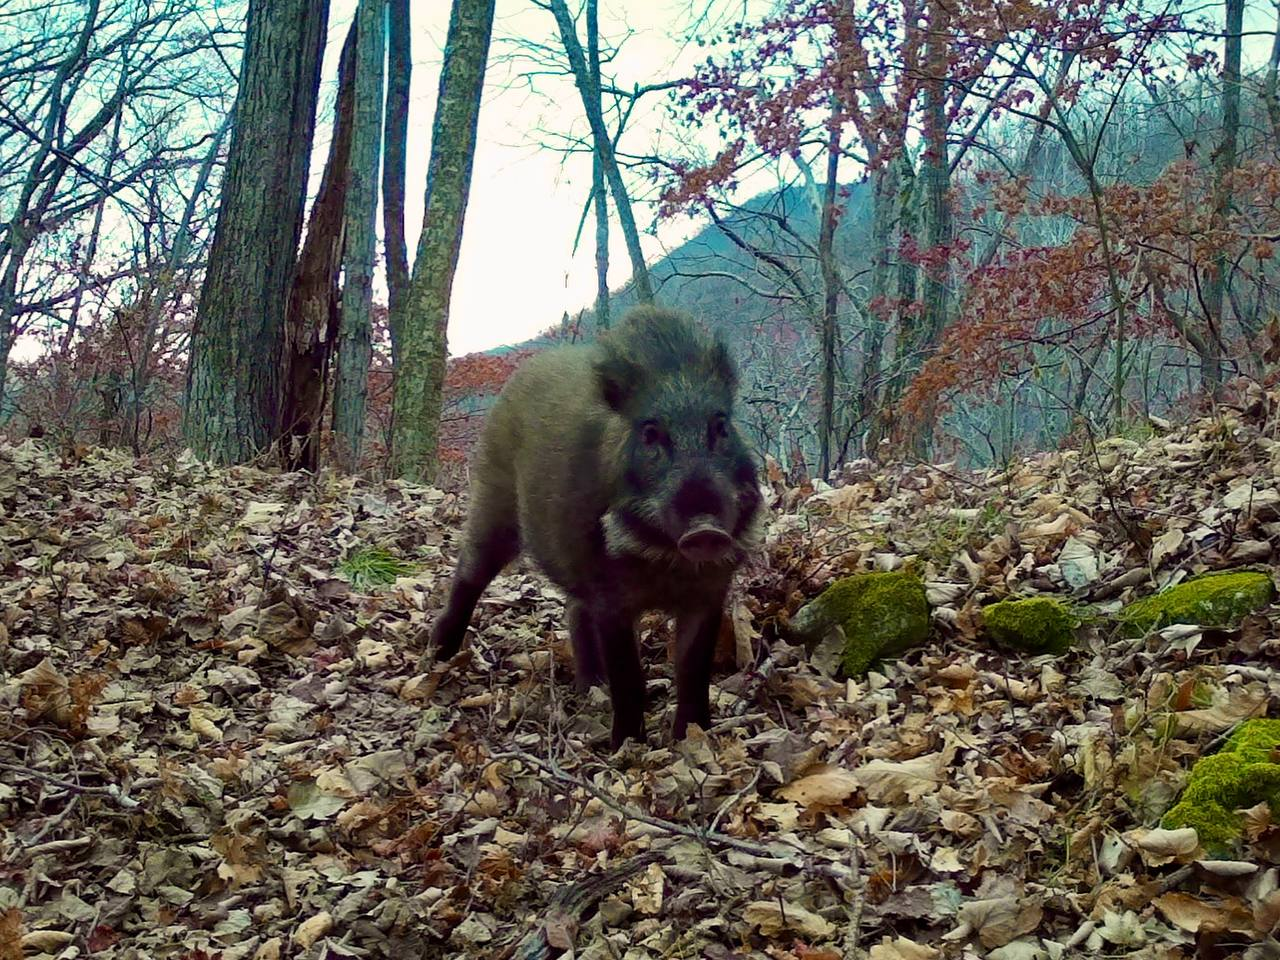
(683, 277)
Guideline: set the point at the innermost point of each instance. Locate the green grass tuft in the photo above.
(373, 567)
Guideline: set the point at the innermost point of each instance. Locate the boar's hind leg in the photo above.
(487, 550)
(617, 639)
(588, 659)
(696, 635)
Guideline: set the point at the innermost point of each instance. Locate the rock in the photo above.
(1034, 624)
(1212, 600)
(881, 614)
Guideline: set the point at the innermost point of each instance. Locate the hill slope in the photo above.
(213, 742)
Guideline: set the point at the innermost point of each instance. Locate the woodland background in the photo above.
(990, 226)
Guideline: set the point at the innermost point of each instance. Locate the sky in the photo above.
(517, 273)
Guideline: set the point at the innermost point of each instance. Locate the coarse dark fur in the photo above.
(618, 468)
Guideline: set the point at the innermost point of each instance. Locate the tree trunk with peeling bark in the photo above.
(311, 321)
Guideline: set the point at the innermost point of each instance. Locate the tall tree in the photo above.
(395, 140)
(422, 347)
(233, 383)
(355, 340)
(589, 89)
(599, 194)
(935, 182)
(1224, 164)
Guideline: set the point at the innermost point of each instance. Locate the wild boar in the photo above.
(618, 468)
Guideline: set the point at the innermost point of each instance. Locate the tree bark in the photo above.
(936, 181)
(599, 195)
(360, 214)
(831, 298)
(312, 317)
(590, 94)
(1224, 165)
(1271, 82)
(395, 140)
(419, 376)
(233, 381)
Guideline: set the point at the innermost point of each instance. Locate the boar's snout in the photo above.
(705, 541)
(700, 509)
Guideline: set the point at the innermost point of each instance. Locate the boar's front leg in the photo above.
(696, 635)
(487, 549)
(588, 659)
(617, 639)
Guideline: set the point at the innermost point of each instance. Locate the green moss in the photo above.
(1244, 773)
(882, 614)
(1035, 624)
(373, 567)
(1213, 600)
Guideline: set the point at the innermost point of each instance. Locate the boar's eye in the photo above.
(718, 430)
(651, 434)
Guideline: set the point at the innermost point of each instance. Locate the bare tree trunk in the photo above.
(1224, 165)
(164, 287)
(884, 199)
(233, 381)
(1270, 94)
(599, 195)
(360, 215)
(419, 375)
(936, 180)
(312, 318)
(906, 287)
(831, 298)
(590, 93)
(395, 140)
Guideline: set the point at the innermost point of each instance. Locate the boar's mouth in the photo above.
(705, 542)
(627, 535)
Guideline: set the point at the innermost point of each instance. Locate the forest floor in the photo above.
(214, 742)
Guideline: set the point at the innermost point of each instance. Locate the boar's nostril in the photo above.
(705, 542)
(696, 496)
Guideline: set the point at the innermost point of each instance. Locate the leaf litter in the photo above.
(214, 741)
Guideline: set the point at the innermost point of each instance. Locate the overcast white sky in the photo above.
(516, 275)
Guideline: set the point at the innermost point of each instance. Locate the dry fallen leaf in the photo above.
(900, 948)
(1228, 914)
(905, 781)
(772, 917)
(46, 941)
(999, 920)
(647, 890)
(829, 787)
(312, 929)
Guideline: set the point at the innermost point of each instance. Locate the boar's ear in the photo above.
(618, 379)
(722, 365)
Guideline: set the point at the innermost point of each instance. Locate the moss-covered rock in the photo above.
(881, 614)
(1244, 773)
(1212, 600)
(1034, 624)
